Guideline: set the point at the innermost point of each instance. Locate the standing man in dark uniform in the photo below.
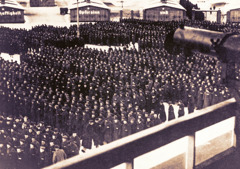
(3, 153)
(34, 155)
(181, 109)
(160, 109)
(11, 157)
(108, 130)
(171, 114)
(75, 138)
(43, 157)
(72, 149)
(126, 128)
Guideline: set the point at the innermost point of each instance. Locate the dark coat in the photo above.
(160, 109)
(181, 110)
(73, 149)
(108, 132)
(126, 130)
(87, 137)
(171, 115)
(116, 130)
(199, 103)
(207, 99)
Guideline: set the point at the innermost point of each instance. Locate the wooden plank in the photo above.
(216, 158)
(190, 153)
(236, 135)
(130, 165)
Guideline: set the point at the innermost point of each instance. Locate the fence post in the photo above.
(190, 153)
(129, 164)
(237, 127)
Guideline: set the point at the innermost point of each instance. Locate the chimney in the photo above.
(164, 1)
(2, 1)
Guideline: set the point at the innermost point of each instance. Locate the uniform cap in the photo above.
(65, 136)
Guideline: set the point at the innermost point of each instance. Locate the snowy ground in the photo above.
(130, 46)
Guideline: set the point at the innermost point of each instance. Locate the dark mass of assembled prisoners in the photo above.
(65, 96)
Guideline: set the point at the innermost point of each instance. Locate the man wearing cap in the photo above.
(75, 138)
(38, 136)
(55, 140)
(43, 157)
(140, 125)
(3, 152)
(199, 103)
(191, 104)
(88, 136)
(50, 152)
(34, 155)
(132, 122)
(181, 109)
(58, 155)
(48, 133)
(64, 144)
(72, 149)
(58, 135)
(126, 128)
(35, 142)
(98, 130)
(171, 114)
(160, 109)
(116, 129)
(21, 160)
(207, 98)
(108, 131)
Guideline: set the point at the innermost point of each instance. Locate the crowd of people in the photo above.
(25, 144)
(146, 33)
(62, 89)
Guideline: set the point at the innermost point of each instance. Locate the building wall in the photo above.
(233, 16)
(163, 14)
(11, 15)
(90, 14)
(42, 3)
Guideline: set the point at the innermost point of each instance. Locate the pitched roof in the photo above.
(168, 3)
(11, 4)
(82, 3)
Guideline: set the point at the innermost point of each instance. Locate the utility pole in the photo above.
(122, 3)
(78, 34)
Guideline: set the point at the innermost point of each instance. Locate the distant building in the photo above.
(42, 3)
(89, 11)
(164, 10)
(11, 12)
(233, 15)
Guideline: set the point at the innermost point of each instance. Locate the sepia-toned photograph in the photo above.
(119, 84)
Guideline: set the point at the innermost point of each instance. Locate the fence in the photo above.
(127, 149)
